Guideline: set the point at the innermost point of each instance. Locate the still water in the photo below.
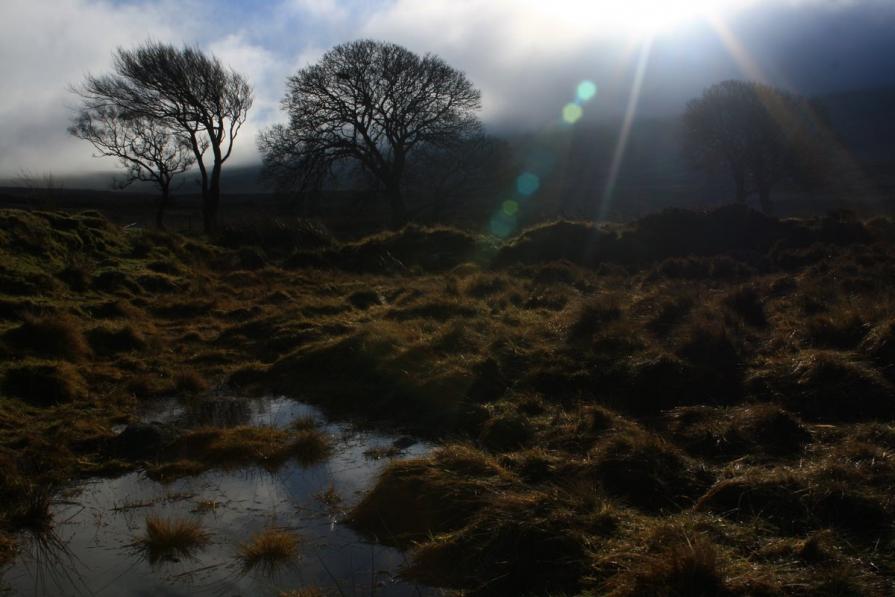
(97, 522)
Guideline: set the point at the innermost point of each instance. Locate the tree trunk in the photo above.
(396, 202)
(160, 211)
(211, 200)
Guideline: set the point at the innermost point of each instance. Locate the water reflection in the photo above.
(94, 549)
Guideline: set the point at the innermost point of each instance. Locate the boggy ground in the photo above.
(693, 404)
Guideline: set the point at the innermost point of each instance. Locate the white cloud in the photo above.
(47, 46)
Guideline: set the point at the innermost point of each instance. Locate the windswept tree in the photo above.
(186, 91)
(760, 134)
(372, 103)
(148, 149)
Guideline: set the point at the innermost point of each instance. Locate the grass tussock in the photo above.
(268, 550)
(414, 499)
(518, 544)
(721, 374)
(647, 472)
(240, 446)
(49, 337)
(45, 384)
(691, 567)
(171, 539)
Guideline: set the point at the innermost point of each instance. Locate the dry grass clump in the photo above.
(507, 431)
(485, 285)
(826, 386)
(689, 568)
(169, 539)
(799, 500)
(437, 310)
(594, 315)
(190, 381)
(748, 303)
(304, 592)
(107, 341)
(413, 499)
(310, 446)
(364, 299)
(519, 544)
(880, 346)
(843, 329)
(758, 430)
(56, 336)
(45, 384)
(670, 313)
(214, 447)
(646, 471)
(268, 550)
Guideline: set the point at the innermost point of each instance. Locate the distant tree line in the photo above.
(396, 121)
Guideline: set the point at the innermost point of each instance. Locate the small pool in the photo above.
(97, 522)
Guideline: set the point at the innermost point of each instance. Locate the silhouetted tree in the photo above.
(185, 90)
(761, 134)
(148, 149)
(373, 103)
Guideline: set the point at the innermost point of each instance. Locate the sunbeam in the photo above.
(630, 112)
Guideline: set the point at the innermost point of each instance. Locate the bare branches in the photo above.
(372, 103)
(181, 90)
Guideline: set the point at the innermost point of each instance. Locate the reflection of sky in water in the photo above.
(98, 524)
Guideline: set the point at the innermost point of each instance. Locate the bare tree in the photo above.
(373, 103)
(148, 149)
(761, 134)
(186, 90)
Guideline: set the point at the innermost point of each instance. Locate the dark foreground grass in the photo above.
(691, 404)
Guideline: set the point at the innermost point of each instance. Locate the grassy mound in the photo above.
(45, 384)
(411, 248)
(236, 447)
(50, 337)
(414, 499)
(520, 544)
(389, 374)
(647, 472)
(827, 386)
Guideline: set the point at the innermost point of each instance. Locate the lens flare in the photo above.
(572, 113)
(586, 90)
(510, 207)
(528, 183)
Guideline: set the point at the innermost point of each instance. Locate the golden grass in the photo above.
(169, 539)
(268, 550)
(578, 406)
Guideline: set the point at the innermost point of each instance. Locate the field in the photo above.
(695, 403)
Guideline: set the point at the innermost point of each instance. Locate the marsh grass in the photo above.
(171, 539)
(268, 550)
(721, 374)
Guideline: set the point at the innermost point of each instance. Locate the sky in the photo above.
(527, 56)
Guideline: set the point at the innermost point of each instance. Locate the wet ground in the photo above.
(92, 552)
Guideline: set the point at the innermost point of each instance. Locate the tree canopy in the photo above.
(372, 103)
(188, 92)
(762, 135)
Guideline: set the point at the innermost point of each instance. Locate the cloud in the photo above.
(527, 56)
(48, 46)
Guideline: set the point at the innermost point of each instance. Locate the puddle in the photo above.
(92, 552)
